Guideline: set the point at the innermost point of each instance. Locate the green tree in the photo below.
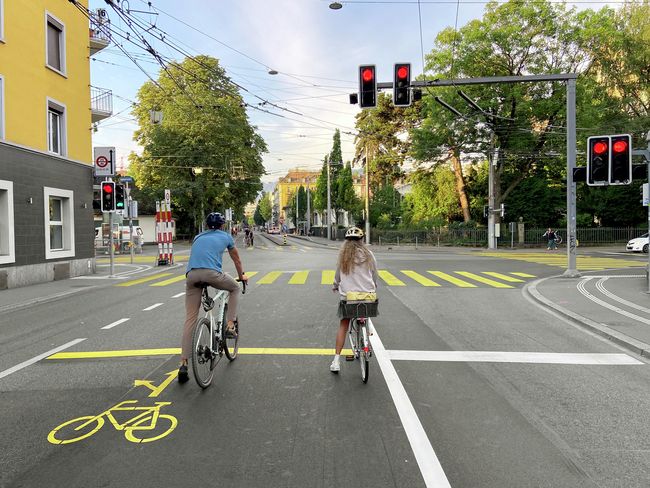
(385, 207)
(297, 213)
(346, 198)
(204, 150)
(265, 207)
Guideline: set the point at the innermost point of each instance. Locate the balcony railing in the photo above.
(101, 103)
(100, 32)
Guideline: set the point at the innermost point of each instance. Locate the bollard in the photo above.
(284, 239)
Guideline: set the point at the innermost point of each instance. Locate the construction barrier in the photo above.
(164, 233)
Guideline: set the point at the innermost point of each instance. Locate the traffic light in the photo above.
(402, 85)
(119, 197)
(621, 160)
(598, 157)
(367, 86)
(108, 196)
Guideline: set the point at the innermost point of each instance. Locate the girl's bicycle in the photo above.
(359, 334)
(210, 340)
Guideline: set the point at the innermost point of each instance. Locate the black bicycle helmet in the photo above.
(215, 220)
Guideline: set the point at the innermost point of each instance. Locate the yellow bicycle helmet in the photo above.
(354, 233)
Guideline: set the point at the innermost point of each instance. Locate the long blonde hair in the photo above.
(348, 254)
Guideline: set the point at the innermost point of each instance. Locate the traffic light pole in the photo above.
(111, 243)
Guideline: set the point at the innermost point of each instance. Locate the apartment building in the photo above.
(46, 115)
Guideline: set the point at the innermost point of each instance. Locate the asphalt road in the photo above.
(459, 393)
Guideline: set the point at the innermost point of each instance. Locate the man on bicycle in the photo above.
(204, 266)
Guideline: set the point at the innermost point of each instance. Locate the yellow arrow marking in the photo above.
(144, 280)
(299, 278)
(157, 390)
(503, 277)
(390, 279)
(452, 279)
(327, 277)
(175, 279)
(269, 278)
(291, 351)
(487, 281)
(423, 280)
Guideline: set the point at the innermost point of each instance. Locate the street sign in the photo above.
(133, 209)
(126, 179)
(168, 197)
(104, 161)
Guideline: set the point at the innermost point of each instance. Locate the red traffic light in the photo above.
(620, 146)
(402, 72)
(367, 74)
(107, 188)
(600, 148)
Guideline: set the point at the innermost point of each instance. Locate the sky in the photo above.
(315, 50)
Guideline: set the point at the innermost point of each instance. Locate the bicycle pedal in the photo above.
(349, 357)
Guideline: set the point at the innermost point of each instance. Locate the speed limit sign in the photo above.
(104, 161)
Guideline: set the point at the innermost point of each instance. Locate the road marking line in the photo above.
(424, 281)
(390, 279)
(144, 280)
(601, 287)
(513, 357)
(269, 278)
(503, 277)
(178, 295)
(175, 279)
(452, 279)
(35, 359)
(327, 277)
(583, 290)
(250, 274)
(524, 275)
(151, 307)
(299, 278)
(430, 467)
(480, 279)
(171, 351)
(117, 322)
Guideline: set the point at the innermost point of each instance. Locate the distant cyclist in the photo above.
(204, 266)
(356, 272)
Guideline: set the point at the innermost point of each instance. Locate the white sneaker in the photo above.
(335, 367)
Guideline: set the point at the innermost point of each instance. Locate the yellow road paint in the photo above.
(138, 259)
(144, 280)
(481, 279)
(327, 277)
(390, 279)
(250, 274)
(559, 260)
(452, 279)
(423, 280)
(524, 275)
(503, 277)
(157, 390)
(175, 279)
(269, 278)
(171, 351)
(299, 278)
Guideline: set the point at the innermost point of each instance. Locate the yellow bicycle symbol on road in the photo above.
(135, 429)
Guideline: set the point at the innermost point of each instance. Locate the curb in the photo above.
(637, 347)
(39, 300)
(312, 241)
(272, 240)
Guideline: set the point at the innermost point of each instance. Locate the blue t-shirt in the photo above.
(208, 248)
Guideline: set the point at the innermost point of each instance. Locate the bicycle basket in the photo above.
(352, 309)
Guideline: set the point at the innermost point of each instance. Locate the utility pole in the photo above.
(367, 175)
(308, 211)
(329, 203)
(297, 211)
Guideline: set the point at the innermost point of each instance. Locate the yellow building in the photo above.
(46, 115)
(289, 184)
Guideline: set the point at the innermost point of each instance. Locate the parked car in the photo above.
(640, 244)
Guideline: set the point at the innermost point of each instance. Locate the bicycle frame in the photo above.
(222, 297)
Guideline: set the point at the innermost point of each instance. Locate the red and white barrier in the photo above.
(164, 233)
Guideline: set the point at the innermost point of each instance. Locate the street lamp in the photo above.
(336, 5)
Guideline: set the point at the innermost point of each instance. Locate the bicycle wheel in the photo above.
(364, 356)
(202, 354)
(87, 423)
(230, 344)
(128, 432)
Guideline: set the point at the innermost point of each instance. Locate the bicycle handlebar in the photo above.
(243, 285)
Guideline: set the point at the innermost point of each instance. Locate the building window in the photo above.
(54, 43)
(7, 239)
(56, 127)
(59, 223)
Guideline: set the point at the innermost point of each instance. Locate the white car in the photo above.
(639, 244)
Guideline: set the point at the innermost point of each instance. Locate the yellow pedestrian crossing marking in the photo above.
(481, 279)
(269, 278)
(423, 280)
(299, 278)
(524, 275)
(390, 279)
(250, 274)
(327, 277)
(583, 263)
(452, 279)
(144, 280)
(175, 279)
(503, 277)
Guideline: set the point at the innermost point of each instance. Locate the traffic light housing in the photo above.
(621, 160)
(402, 84)
(598, 159)
(108, 196)
(119, 197)
(367, 86)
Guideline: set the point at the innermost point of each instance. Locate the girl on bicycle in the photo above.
(356, 272)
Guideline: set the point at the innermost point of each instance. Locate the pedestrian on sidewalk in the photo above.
(356, 272)
(550, 235)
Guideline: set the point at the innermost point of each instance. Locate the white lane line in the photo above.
(430, 468)
(36, 359)
(178, 295)
(601, 287)
(151, 307)
(513, 357)
(117, 322)
(613, 308)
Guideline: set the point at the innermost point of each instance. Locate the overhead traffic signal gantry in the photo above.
(402, 84)
(108, 196)
(367, 86)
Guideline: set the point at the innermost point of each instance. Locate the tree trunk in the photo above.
(460, 184)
